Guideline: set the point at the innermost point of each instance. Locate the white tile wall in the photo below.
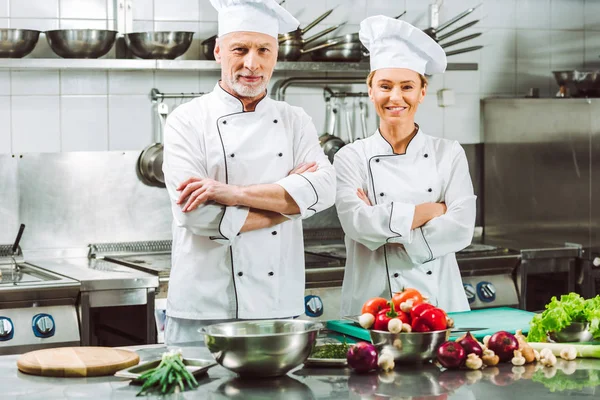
(524, 40)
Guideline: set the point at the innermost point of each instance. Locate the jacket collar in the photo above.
(234, 104)
(415, 146)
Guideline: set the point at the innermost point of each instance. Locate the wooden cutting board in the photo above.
(77, 361)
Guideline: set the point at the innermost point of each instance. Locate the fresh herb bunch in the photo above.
(561, 313)
(170, 376)
(331, 350)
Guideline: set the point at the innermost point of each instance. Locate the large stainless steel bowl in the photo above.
(261, 348)
(17, 43)
(575, 332)
(159, 45)
(81, 43)
(409, 347)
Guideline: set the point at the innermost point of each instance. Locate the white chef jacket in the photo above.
(218, 272)
(431, 170)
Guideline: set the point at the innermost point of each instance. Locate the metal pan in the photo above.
(460, 40)
(457, 30)
(344, 52)
(354, 37)
(293, 50)
(297, 34)
(464, 50)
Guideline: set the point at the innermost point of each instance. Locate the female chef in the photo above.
(405, 199)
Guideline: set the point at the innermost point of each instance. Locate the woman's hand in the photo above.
(363, 196)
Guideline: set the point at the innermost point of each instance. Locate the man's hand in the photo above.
(200, 190)
(363, 196)
(305, 167)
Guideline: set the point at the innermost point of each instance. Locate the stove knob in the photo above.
(43, 325)
(486, 292)
(313, 306)
(596, 262)
(470, 292)
(6, 329)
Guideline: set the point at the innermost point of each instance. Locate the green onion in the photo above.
(583, 350)
(169, 377)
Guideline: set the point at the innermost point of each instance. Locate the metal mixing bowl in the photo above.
(261, 348)
(159, 45)
(409, 347)
(81, 43)
(576, 332)
(17, 43)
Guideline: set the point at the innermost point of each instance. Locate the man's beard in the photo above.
(247, 91)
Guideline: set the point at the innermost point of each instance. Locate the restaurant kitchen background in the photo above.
(95, 253)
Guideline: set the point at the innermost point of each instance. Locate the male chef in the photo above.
(242, 171)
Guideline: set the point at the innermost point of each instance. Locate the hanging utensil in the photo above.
(457, 30)
(465, 50)
(363, 118)
(329, 142)
(347, 108)
(15, 246)
(163, 112)
(460, 40)
(149, 165)
(456, 19)
(297, 34)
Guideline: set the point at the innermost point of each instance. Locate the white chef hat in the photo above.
(263, 16)
(397, 44)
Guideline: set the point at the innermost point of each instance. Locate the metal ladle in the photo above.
(15, 248)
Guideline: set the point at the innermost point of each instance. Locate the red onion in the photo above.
(470, 345)
(503, 344)
(362, 357)
(451, 355)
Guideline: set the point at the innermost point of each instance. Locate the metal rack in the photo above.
(156, 95)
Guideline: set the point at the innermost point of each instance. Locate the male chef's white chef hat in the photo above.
(397, 44)
(263, 16)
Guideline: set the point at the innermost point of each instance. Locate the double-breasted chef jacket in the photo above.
(384, 255)
(218, 272)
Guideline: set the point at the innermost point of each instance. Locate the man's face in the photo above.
(247, 61)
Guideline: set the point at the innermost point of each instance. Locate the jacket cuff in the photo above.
(401, 218)
(231, 223)
(303, 192)
(419, 250)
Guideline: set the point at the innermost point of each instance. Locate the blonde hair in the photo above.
(372, 74)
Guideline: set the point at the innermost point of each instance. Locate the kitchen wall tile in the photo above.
(34, 23)
(531, 76)
(498, 14)
(533, 14)
(130, 122)
(462, 81)
(130, 82)
(417, 13)
(306, 11)
(4, 83)
(314, 105)
(35, 124)
(193, 53)
(533, 47)
(389, 8)
(461, 121)
(4, 23)
(143, 9)
(566, 14)
(5, 136)
(83, 23)
(35, 83)
(143, 26)
(84, 123)
(177, 81)
(207, 80)
(4, 12)
(591, 15)
(430, 117)
(434, 83)
(88, 9)
(567, 49)
(34, 9)
(451, 9)
(498, 83)
(83, 82)
(207, 12)
(592, 49)
(176, 10)
(348, 11)
(499, 53)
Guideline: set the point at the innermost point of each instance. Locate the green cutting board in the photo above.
(493, 319)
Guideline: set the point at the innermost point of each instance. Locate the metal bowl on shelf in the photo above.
(17, 43)
(576, 332)
(265, 348)
(159, 45)
(409, 347)
(81, 43)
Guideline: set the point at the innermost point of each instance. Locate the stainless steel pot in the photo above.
(292, 50)
(343, 52)
(208, 47)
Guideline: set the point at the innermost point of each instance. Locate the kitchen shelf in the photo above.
(187, 65)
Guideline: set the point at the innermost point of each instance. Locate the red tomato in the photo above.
(434, 318)
(407, 294)
(374, 305)
(419, 308)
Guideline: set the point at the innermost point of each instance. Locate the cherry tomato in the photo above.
(374, 305)
(419, 308)
(407, 294)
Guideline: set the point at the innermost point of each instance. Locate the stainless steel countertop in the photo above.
(503, 383)
(95, 274)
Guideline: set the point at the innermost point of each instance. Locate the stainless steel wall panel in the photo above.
(9, 199)
(594, 200)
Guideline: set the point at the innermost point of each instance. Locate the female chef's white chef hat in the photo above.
(397, 44)
(263, 16)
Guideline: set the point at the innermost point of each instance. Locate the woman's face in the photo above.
(396, 94)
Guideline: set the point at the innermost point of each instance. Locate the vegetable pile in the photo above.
(407, 311)
(331, 350)
(561, 313)
(170, 376)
